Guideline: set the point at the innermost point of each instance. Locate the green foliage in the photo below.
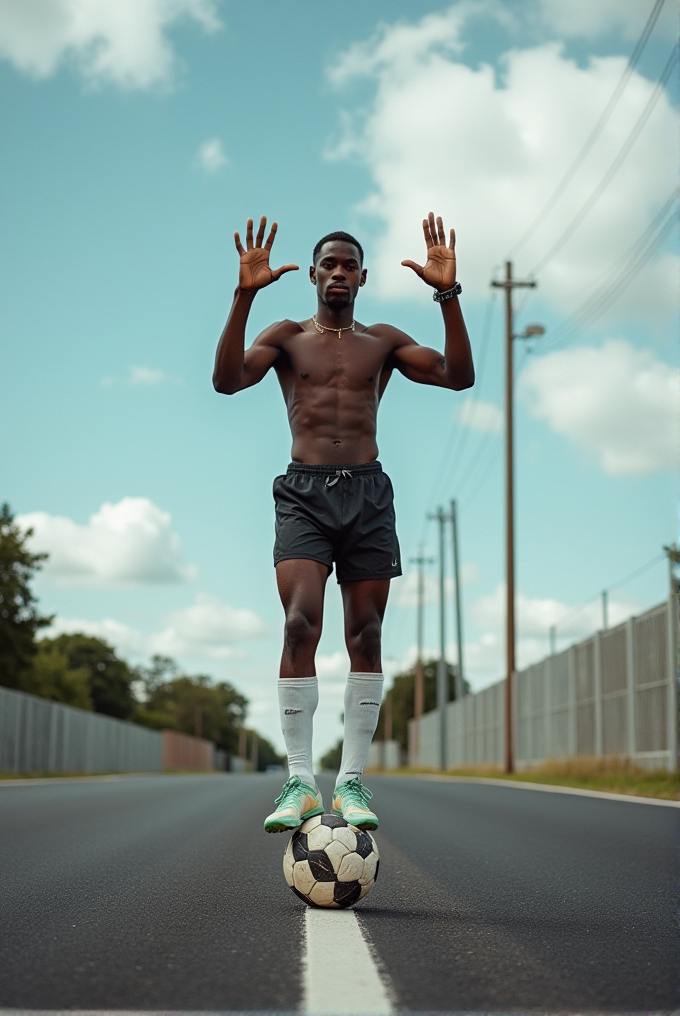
(19, 618)
(109, 679)
(331, 760)
(192, 705)
(266, 753)
(51, 677)
(403, 690)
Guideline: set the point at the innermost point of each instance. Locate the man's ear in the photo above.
(312, 275)
(363, 277)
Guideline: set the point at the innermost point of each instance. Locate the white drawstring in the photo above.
(334, 477)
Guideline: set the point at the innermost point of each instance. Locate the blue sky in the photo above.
(139, 135)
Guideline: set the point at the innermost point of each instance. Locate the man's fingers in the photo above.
(418, 269)
(249, 234)
(239, 245)
(441, 235)
(272, 234)
(452, 243)
(426, 234)
(433, 228)
(260, 232)
(282, 270)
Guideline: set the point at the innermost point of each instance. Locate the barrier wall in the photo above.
(612, 694)
(40, 736)
(181, 751)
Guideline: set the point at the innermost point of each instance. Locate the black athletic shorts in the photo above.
(338, 513)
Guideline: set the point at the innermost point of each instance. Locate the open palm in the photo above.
(254, 271)
(439, 271)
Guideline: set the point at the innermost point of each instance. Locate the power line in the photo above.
(575, 611)
(613, 168)
(631, 262)
(596, 131)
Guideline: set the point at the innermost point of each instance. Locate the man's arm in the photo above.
(426, 366)
(236, 369)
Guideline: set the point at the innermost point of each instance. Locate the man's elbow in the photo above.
(224, 387)
(463, 380)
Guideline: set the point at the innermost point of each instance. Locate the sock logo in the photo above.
(368, 702)
(291, 712)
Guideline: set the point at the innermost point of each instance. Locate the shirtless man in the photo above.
(334, 504)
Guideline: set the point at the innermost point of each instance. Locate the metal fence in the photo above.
(613, 694)
(39, 736)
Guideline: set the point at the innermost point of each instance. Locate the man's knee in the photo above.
(301, 630)
(365, 638)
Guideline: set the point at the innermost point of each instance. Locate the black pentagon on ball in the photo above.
(300, 846)
(377, 866)
(346, 893)
(364, 844)
(320, 864)
(333, 821)
(305, 899)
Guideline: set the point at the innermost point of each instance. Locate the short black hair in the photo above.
(338, 235)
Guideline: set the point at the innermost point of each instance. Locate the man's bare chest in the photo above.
(355, 359)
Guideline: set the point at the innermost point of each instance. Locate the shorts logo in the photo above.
(291, 712)
(394, 563)
(367, 702)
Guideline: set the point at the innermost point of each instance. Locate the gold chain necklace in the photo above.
(324, 328)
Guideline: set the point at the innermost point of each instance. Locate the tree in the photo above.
(19, 617)
(51, 677)
(403, 689)
(193, 705)
(109, 678)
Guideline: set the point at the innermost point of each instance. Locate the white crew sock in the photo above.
(298, 699)
(363, 695)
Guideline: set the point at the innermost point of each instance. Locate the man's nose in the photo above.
(338, 274)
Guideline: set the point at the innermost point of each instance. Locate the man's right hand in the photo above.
(254, 271)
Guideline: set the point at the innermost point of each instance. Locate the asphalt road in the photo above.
(162, 892)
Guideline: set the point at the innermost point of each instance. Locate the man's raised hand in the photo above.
(440, 269)
(254, 271)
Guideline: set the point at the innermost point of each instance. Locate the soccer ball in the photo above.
(329, 863)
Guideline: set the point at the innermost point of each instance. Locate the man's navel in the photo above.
(304, 374)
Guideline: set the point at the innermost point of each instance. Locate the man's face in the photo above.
(338, 274)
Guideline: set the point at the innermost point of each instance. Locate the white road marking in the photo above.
(548, 788)
(340, 975)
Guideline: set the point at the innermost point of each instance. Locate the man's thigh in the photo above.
(364, 601)
(302, 584)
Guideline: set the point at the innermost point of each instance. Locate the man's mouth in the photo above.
(337, 289)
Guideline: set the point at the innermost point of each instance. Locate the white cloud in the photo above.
(479, 415)
(211, 155)
(128, 543)
(620, 404)
(333, 664)
(406, 591)
(145, 376)
(125, 640)
(119, 42)
(208, 628)
(587, 20)
(486, 148)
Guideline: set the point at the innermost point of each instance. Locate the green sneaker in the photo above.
(350, 799)
(296, 802)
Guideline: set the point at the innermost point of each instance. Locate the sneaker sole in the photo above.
(285, 824)
(369, 823)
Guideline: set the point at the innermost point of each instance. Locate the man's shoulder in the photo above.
(280, 330)
(384, 331)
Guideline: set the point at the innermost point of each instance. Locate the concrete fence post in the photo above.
(631, 687)
(597, 692)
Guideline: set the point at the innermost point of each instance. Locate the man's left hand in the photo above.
(440, 269)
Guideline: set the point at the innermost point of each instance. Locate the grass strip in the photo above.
(613, 775)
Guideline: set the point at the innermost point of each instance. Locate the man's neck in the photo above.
(329, 317)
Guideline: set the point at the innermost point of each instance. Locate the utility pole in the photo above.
(459, 600)
(605, 610)
(442, 669)
(553, 639)
(509, 284)
(418, 691)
